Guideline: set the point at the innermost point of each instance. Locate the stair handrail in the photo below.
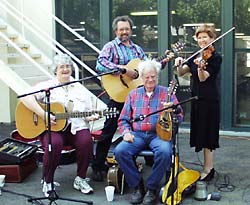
(83, 39)
(23, 17)
(7, 75)
(21, 20)
(48, 74)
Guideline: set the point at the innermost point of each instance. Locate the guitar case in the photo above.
(68, 155)
(186, 185)
(115, 177)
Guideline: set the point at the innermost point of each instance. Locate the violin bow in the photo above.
(205, 47)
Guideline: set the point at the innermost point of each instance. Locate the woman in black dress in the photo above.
(205, 112)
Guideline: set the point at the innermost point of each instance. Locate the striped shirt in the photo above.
(116, 53)
(139, 103)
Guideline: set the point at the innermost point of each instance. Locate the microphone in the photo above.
(121, 70)
(138, 118)
(214, 196)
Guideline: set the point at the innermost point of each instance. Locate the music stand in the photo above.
(53, 196)
(174, 179)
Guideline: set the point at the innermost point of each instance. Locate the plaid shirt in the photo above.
(138, 103)
(116, 53)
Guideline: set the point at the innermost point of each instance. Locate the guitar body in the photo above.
(30, 125)
(118, 86)
(164, 126)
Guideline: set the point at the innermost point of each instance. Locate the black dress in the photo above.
(205, 112)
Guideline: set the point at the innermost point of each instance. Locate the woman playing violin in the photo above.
(205, 112)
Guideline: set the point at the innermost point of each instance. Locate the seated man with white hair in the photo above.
(77, 131)
(140, 135)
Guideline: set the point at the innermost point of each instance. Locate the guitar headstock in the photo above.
(177, 47)
(111, 112)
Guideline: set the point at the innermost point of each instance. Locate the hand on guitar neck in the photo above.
(168, 104)
(169, 55)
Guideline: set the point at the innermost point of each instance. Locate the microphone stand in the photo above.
(174, 180)
(53, 196)
(142, 117)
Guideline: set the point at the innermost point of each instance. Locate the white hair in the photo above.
(149, 65)
(60, 59)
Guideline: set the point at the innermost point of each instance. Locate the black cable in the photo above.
(224, 186)
(24, 195)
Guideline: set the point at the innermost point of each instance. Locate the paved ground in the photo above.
(232, 179)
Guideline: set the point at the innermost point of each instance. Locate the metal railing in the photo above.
(2, 35)
(30, 25)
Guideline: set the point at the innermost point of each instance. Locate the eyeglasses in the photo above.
(64, 66)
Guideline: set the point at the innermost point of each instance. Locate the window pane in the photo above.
(84, 17)
(242, 95)
(242, 16)
(242, 64)
(144, 15)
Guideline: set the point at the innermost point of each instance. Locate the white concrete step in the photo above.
(18, 55)
(3, 27)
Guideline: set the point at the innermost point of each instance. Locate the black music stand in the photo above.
(174, 179)
(53, 196)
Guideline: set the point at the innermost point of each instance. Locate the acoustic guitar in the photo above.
(118, 86)
(30, 125)
(164, 124)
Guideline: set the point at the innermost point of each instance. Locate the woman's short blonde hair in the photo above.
(205, 28)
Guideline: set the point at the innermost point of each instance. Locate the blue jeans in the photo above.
(126, 151)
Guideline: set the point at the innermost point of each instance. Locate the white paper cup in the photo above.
(2, 180)
(110, 190)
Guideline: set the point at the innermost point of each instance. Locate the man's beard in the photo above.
(125, 38)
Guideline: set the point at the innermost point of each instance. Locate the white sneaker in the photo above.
(46, 189)
(82, 185)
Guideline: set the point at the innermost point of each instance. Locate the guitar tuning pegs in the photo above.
(114, 109)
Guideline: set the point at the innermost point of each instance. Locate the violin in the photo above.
(204, 56)
(207, 53)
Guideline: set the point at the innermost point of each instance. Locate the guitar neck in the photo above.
(78, 114)
(163, 56)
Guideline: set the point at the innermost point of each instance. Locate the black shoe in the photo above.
(150, 198)
(97, 176)
(209, 176)
(138, 194)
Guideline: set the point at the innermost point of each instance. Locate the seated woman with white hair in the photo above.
(76, 132)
